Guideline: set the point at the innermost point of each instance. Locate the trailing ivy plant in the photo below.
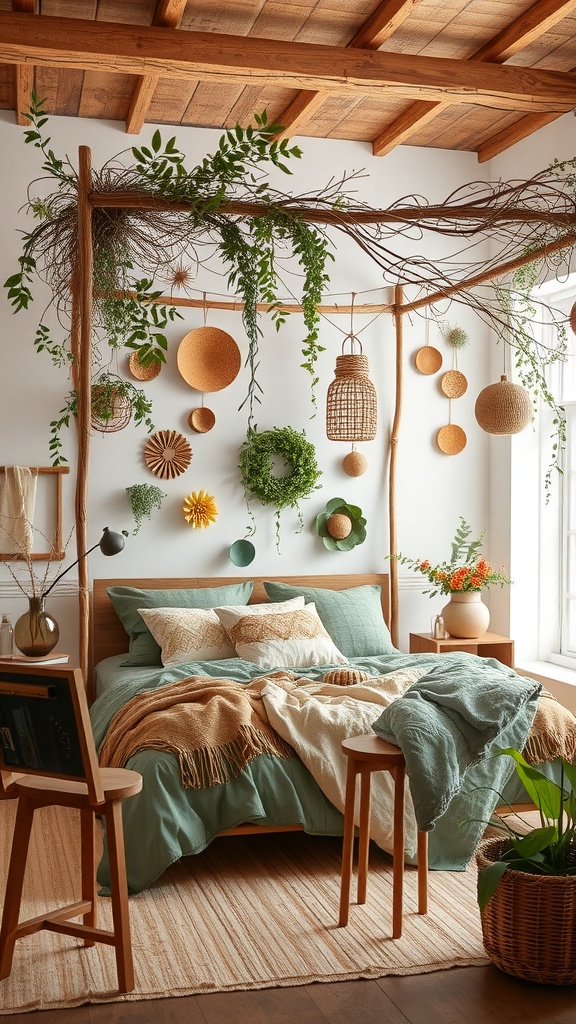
(532, 357)
(126, 308)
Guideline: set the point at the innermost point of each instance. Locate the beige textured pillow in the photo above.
(290, 639)
(188, 634)
(230, 613)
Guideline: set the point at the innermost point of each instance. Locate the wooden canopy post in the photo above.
(82, 321)
(393, 545)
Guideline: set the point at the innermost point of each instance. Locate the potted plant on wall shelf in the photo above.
(527, 882)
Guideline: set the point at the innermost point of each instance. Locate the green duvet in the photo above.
(165, 821)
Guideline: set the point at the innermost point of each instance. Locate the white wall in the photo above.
(433, 489)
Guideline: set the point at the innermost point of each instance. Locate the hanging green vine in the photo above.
(126, 309)
(532, 357)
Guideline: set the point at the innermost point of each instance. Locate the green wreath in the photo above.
(257, 468)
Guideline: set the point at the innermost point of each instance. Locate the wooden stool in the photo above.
(367, 754)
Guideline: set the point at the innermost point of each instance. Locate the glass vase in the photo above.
(36, 633)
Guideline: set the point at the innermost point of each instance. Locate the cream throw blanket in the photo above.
(215, 727)
(17, 502)
(314, 718)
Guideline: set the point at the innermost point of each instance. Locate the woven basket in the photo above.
(351, 402)
(503, 408)
(529, 923)
(111, 411)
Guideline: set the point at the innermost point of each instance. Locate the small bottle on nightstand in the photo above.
(439, 633)
(6, 638)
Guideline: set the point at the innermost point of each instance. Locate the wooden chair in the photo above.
(367, 754)
(47, 756)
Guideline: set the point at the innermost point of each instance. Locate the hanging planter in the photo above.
(503, 408)
(351, 402)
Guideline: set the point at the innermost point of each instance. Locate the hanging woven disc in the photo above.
(143, 372)
(503, 408)
(572, 318)
(451, 439)
(428, 359)
(354, 464)
(208, 359)
(201, 419)
(454, 384)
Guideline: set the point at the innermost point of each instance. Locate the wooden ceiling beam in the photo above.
(542, 16)
(514, 133)
(23, 73)
(168, 14)
(382, 23)
(209, 56)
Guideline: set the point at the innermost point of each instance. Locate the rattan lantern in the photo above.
(503, 408)
(351, 402)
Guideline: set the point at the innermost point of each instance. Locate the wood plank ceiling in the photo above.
(475, 75)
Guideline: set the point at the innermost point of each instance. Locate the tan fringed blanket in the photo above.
(215, 727)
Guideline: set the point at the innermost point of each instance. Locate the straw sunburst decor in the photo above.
(167, 454)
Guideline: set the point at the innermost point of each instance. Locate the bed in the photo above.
(354, 674)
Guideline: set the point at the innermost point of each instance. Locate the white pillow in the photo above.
(289, 639)
(230, 613)
(188, 634)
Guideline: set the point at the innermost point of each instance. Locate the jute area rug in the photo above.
(250, 912)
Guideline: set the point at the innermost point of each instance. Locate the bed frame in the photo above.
(108, 636)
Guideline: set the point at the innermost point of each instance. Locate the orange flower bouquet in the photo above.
(465, 571)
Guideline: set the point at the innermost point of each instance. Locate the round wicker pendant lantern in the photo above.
(351, 402)
(503, 408)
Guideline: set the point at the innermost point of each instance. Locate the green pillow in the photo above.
(143, 648)
(353, 617)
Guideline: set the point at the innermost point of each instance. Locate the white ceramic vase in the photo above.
(465, 615)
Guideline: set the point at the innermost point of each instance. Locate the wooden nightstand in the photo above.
(488, 646)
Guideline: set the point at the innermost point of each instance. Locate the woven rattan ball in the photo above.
(339, 526)
(503, 408)
(354, 464)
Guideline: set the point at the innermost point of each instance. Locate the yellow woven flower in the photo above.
(200, 509)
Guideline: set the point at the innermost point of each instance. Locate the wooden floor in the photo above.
(466, 995)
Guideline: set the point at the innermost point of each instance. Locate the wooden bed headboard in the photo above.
(107, 633)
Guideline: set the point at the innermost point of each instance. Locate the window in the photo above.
(543, 530)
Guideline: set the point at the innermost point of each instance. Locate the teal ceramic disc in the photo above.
(242, 552)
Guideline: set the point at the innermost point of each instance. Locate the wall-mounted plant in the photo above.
(455, 337)
(259, 458)
(144, 498)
